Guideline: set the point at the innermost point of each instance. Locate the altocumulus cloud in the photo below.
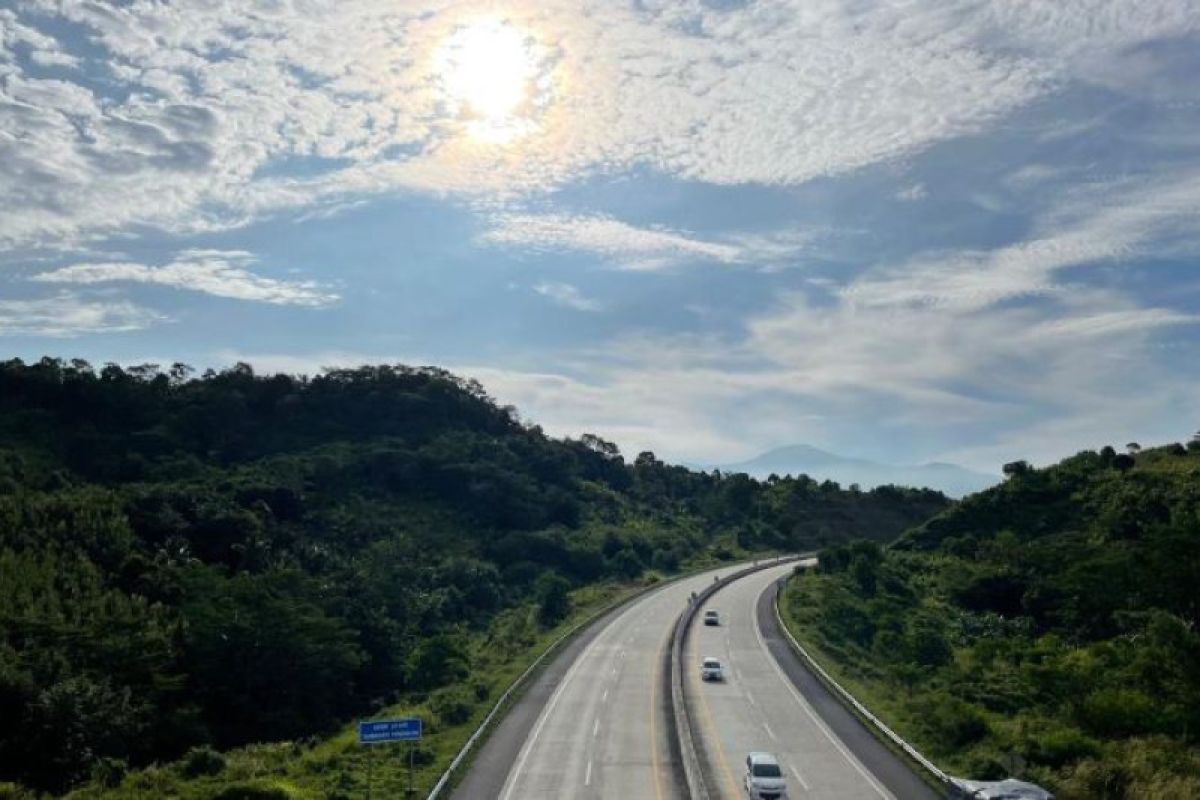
(203, 106)
(222, 273)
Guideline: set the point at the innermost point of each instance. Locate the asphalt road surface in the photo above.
(602, 729)
(595, 723)
(769, 702)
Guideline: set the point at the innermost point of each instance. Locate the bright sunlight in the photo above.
(488, 70)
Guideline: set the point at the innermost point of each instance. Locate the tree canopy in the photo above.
(210, 560)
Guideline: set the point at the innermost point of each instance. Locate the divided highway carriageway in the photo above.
(598, 721)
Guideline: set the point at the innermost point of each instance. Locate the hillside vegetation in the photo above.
(1046, 627)
(190, 564)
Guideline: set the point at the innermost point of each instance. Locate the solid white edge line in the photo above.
(514, 774)
(829, 734)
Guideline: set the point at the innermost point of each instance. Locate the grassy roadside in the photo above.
(857, 681)
(926, 707)
(871, 696)
(336, 766)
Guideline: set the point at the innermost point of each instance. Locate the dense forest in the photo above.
(1046, 627)
(194, 562)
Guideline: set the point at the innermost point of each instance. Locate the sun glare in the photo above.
(489, 71)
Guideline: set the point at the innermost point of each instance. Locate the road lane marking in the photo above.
(604, 697)
(587, 779)
(767, 728)
(712, 729)
(820, 723)
(654, 675)
(595, 727)
(548, 711)
(592, 649)
(800, 778)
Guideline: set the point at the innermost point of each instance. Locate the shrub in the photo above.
(108, 772)
(201, 761)
(254, 791)
(955, 724)
(1062, 746)
(1118, 712)
(452, 705)
(553, 598)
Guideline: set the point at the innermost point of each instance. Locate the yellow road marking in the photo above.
(712, 730)
(654, 764)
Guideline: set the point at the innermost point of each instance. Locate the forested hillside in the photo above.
(209, 561)
(1046, 627)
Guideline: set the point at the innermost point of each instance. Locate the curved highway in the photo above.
(597, 723)
(603, 731)
(768, 703)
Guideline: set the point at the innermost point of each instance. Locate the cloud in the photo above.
(68, 315)
(221, 273)
(916, 191)
(641, 249)
(567, 295)
(634, 247)
(1097, 225)
(199, 117)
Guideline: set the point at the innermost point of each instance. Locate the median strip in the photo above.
(693, 775)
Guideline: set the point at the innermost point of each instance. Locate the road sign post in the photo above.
(386, 731)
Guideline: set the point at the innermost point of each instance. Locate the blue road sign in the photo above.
(381, 731)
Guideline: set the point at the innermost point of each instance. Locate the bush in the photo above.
(201, 761)
(553, 598)
(955, 724)
(452, 705)
(254, 791)
(1118, 712)
(108, 772)
(1060, 747)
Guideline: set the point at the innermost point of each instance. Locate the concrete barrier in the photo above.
(518, 685)
(690, 761)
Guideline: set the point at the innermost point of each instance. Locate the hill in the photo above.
(194, 562)
(804, 459)
(1047, 626)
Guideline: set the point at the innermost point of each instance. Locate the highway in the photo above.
(760, 707)
(597, 724)
(603, 732)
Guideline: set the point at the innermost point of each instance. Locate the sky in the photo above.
(959, 231)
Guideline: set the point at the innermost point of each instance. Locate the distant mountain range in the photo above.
(802, 459)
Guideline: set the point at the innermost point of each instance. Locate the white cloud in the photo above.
(567, 295)
(634, 247)
(916, 191)
(68, 315)
(221, 273)
(203, 107)
(642, 249)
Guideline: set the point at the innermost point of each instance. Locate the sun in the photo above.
(489, 72)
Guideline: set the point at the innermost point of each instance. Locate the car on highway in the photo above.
(711, 617)
(711, 670)
(764, 777)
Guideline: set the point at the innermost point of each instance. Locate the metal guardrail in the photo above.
(850, 700)
(693, 774)
(955, 787)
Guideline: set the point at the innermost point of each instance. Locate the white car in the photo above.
(712, 618)
(764, 777)
(710, 670)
